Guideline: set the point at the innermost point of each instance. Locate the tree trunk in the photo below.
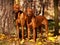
(56, 17)
(42, 7)
(6, 17)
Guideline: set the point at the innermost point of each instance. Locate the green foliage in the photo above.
(51, 24)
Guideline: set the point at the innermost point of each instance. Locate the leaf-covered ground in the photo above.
(51, 40)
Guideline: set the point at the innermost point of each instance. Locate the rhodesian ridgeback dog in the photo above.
(38, 21)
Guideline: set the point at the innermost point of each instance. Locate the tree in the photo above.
(42, 7)
(56, 17)
(6, 17)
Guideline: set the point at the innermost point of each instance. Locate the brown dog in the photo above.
(37, 21)
(30, 14)
(20, 19)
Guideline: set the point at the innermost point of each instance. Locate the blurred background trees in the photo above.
(48, 8)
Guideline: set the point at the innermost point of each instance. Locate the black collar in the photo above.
(20, 11)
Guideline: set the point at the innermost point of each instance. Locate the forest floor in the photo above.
(51, 40)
